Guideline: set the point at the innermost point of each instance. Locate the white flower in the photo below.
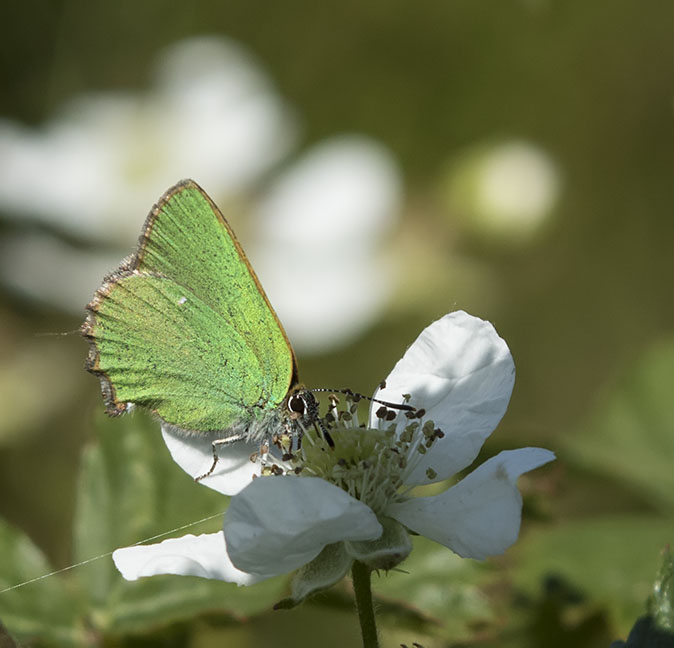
(459, 374)
(211, 114)
(506, 190)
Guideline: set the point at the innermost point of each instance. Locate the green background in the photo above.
(585, 306)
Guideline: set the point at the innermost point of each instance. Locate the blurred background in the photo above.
(382, 163)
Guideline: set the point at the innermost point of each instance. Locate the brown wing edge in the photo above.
(113, 406)
(129, 266)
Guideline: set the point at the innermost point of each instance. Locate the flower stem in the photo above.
(361, 585)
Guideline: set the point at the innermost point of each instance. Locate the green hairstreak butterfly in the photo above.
(184, 329)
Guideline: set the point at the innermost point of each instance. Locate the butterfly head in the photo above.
(302, 407)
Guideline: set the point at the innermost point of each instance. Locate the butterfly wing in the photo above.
(184, 327)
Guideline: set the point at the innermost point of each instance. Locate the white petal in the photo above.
(194, 454)
(277, 524)
(480, 516)
(203, 555)
(461, 372)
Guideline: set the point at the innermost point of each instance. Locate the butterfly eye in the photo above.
(296, 404)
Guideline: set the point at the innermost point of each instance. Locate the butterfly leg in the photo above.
(215, 445)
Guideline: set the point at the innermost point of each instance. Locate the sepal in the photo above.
(385, 552)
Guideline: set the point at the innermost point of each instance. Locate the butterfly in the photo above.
(184, 329)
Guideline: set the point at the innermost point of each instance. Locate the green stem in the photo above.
(361, 585)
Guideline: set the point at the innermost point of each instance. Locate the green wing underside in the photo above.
(184, 327)
(187, 239)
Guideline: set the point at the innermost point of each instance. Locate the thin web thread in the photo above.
(109, 553)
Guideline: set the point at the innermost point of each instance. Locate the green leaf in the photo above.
(661, 603)
(630, 435)
(656, 630)
(131, 490)
(161, 600)
(440, 584)
(611, 561)
(47, 608)
(646, 634)
(125, 493)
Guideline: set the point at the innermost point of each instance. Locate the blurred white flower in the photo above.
(93, 171)
(211, 115)
(355, 502)
(47, 269)
(507, 190)
(322, 226)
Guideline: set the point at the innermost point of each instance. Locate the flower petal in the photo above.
(461, 372)
(480, 516)
(203, 555)
(277, 524)
(194, 454)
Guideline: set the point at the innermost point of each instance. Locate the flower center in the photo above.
(368, 463)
